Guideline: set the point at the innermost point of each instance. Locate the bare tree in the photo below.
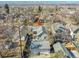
(75, 17)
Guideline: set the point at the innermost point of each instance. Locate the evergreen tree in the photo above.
(39, 9)
(7, 8)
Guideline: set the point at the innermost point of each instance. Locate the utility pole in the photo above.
(55, 12)
(20, 41)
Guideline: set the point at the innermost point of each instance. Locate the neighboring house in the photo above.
(38, 29)
(41, 47)
(39, 44)
(62, 34)
(59, 47)
(75, 53)
(56, 26)
(39, 32)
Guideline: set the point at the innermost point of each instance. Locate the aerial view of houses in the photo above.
(39, 29)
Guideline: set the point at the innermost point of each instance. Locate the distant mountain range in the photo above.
(37, 2)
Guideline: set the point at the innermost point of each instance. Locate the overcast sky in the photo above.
(39, 2)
